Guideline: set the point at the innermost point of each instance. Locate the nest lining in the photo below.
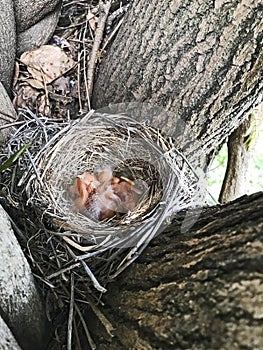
(59, 152)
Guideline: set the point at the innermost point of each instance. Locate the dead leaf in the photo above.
(47, 63)
(26, 97)
(35, 83)
(43, 106)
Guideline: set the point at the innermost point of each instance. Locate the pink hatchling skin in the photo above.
(103, 196)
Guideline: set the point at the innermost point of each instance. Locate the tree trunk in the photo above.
(7, 340)
(20, 303)
(199, 290)
(7, 115)
(200, 60)
(239, 156)
(7, 43)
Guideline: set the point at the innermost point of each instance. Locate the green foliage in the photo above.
(252, 134)
(7, 164)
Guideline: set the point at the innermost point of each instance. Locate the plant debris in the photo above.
(56, 79)
(47, 63)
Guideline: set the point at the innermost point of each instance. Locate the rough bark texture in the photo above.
(20, 303)
(7, 340)
(7, 114)
(202, 60)
(198, 290)
(39, 33)
(239, 156)
(7, 43)
(29, 12)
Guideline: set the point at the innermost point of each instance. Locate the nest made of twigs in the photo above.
(59, 152)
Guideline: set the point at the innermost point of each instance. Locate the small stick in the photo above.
(76, 333)
(85, 69)
(94, 281)
(78, 80)
(76, 245)
(104, 9)
(108, 40)
(70, 317)
(103, 319)
(90, 340)
(10, 125)
(60, 272)
(8, 115)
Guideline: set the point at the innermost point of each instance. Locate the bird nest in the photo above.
(137, 155)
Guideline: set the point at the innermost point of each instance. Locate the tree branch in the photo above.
(198, 290)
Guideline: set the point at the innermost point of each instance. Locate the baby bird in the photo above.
(102, 196)
(127, 193)
(105, 203)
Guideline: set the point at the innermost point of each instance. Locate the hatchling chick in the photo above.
(102, 196)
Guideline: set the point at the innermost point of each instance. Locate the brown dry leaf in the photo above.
(35, 83)
(47, 63)
(26, 97)
(43, 106)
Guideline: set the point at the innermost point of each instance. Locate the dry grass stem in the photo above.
(71, 310)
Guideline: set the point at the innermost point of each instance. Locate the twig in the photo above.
(93, 278)
(116, 15)
(76, 245)
(78, 81)
(60, 272)
(95, 282)
(85, 69)
(90, 340)
(104, 11)
(105, 322)
(7, 115)
(76, 334)
(108, 40)
(50, 285)
(9, 125)
(70, 317)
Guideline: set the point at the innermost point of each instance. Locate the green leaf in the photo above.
(13, 158)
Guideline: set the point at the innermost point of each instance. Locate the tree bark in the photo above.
(7, 115)
(199, 290)
(20, 303)
(7, 340)
(7, 43)
(200, 60)
(239, 156)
